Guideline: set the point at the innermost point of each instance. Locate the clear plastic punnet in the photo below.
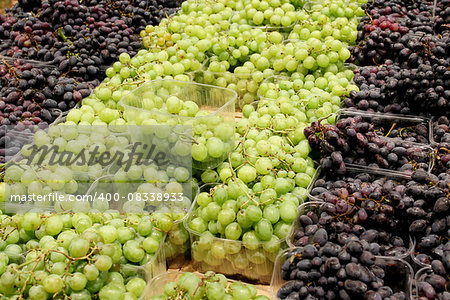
(398, 273)
(395, 126)
(352, 170)
(178, 245)
(57, 165)
(410, 155)
(423, 257)
(207, 110)
(156, 286)
(316, 207)
(234, 258)
(53, 253)
(245, 85)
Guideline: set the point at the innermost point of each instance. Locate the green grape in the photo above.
(136, 286)
(247, 173)
(78, 247)
(91, 272)
(77, 281)
(53, 225)
(253, 213)
(226, 216)
(37, 292)
(263, 230)
(220, 195)
(53, 284)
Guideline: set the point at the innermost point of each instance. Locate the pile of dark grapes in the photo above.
(359, 217)
(375, 202)
(80, 37)
(34, 94)
(339, 270)
(404, 54)
(399, 31)
(441, 131)
(403, 58)
(31, 93)
(431, 220)
(54, 53)
(354, 140)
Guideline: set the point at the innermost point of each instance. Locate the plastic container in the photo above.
(316, 208)
(392, 126)
(156, 286)
(355, 170)
(316, 200)
(177, 246)
(313, 206)
(399, 274)
(215, 103)
(232, 257)
(419, 155)
(157, 264)
(413, 149)
(437, 141)
(417, 262)
(429, 255)
(245, 85)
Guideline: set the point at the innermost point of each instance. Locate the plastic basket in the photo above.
(399, 273)
(216, 103)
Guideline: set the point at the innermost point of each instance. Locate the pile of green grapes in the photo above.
(80, 256)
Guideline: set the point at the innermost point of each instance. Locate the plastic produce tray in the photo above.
(316, 207)
(355, 170)
(411, 147)
(217, 104)
(392, 126)
(399, 274)
(177, 244)
(419, 277)
(246, 85)
(255, 265)
(236, 261)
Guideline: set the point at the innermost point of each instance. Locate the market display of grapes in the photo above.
(242, 128)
